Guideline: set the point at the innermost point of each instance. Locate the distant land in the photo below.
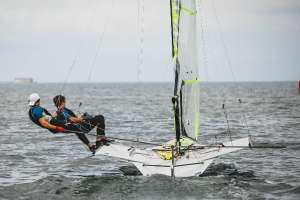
(23, 80)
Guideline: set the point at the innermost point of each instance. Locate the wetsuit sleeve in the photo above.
(70, 112)
(37, 113)
(47, 112)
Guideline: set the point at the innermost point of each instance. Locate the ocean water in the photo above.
(35, 164)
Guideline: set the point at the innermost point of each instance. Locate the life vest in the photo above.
(36, 121)
(61, 116)
(62, 119)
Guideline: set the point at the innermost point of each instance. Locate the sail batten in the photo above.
(184, 48)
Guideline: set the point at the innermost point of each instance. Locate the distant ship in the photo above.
(23, 80)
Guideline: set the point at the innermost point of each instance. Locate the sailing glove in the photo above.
(59, 129)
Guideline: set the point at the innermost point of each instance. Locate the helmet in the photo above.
(33, 98)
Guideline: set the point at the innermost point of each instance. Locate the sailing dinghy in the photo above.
(181, 157)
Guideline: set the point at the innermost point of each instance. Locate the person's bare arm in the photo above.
(46, 124)
(76, 119)
(54, 114)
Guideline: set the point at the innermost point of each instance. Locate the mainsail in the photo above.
(184, 52)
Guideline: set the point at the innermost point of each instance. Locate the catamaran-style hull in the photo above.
(179, 171)
(192, 163)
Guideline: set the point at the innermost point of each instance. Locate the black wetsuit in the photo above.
(80, 129)
(91, 122)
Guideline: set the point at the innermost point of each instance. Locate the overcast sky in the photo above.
(41, 38)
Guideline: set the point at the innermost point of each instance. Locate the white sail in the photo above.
(184, 17)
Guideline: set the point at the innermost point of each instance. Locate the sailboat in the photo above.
(182, 156)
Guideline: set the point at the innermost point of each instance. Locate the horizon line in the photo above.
(107, 82)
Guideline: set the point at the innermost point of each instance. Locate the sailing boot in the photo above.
(93, 149)
(101, 140)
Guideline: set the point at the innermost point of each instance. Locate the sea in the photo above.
(36, 164)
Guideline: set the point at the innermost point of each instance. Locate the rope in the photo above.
(115, 138)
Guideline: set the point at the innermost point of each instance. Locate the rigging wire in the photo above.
(141, 27)
(77, 54)
(99, 45)
(116, 138)
(190, 148)
(140, 52)
(69, 71)
(101, 35)
(203, 28)
(227, 121)
(225, 48)
(229, 65)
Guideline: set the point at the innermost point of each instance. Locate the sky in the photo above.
(100, 40)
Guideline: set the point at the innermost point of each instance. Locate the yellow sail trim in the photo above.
(175, 25)
(191, 81)
(189, 11)
(175, 22)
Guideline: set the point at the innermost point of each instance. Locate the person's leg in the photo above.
(98, 121)
(72, 128)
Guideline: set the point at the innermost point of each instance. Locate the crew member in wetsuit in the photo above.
(41, 117)
(84, 124)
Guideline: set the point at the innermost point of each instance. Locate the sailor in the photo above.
(83, 124)
(42, 117)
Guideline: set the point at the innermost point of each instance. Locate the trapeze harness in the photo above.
(62, 119)
(36, 121)
(54, 121)
(86, 126)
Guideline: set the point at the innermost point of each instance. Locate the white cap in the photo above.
(33, 98)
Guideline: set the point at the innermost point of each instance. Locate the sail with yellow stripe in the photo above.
(184, 52)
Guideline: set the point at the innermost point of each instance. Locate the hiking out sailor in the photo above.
(78, 124)
(42, 117)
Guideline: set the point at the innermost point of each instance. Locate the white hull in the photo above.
(192, 163)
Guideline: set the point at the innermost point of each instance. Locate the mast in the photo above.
(175, 99)
(186, 97)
